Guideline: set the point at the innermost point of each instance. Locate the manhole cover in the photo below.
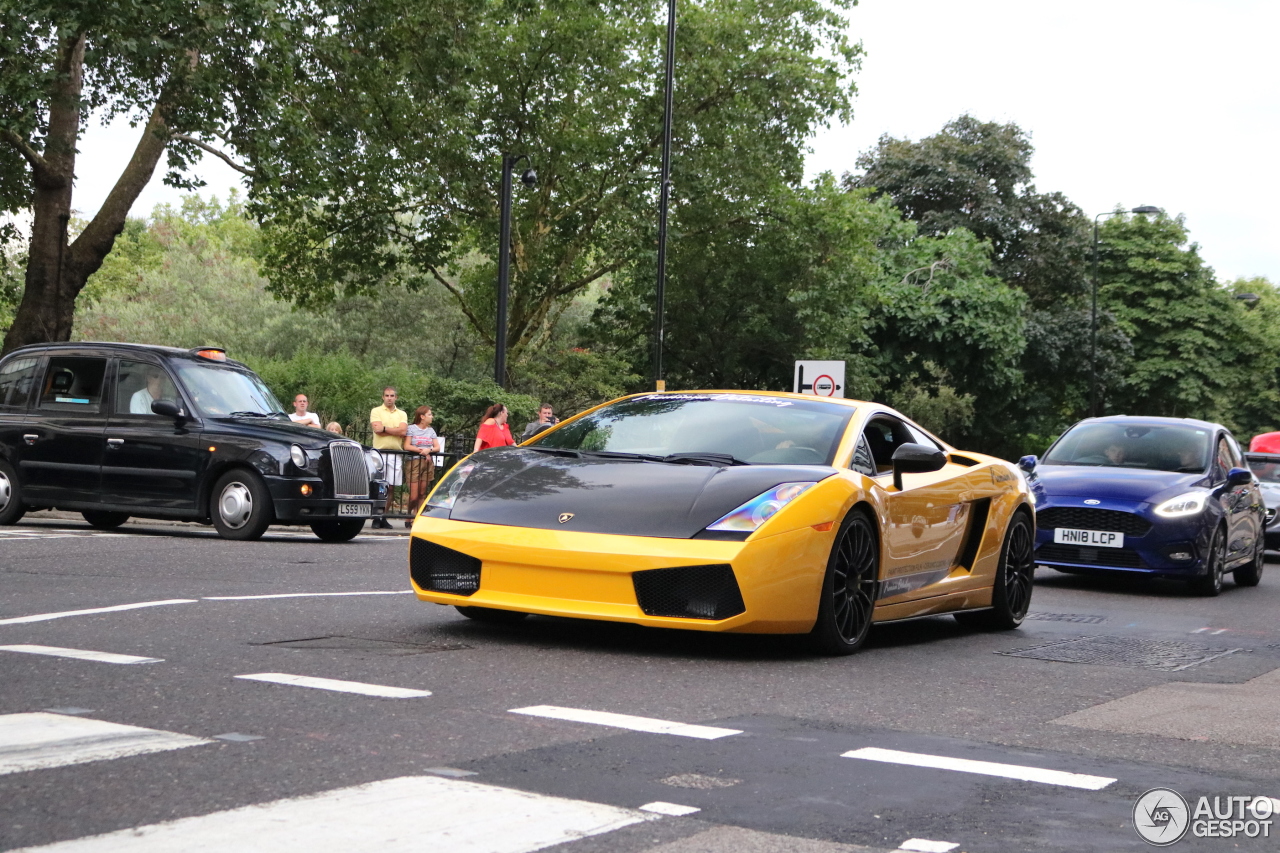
(1122, 651)
(364, 644)
(698, 781)
(1081, 618)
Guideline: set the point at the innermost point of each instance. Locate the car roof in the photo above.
(1152, 421)
(120, 346)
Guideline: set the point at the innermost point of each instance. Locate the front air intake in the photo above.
(689, 592)
(436, 568)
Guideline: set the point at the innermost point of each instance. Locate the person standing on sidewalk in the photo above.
(301, 415)
(546, 419)
(389, 425)
(421, 440)
(493, 429)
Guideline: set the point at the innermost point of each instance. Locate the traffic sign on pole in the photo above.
(819, 378)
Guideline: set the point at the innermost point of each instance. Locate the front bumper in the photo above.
(1174, 548)
(590, 575)
(291, 506)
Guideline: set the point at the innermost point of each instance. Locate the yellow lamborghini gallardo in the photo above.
(753, 512)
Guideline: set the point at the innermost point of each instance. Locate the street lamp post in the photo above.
(529, 178)
(665, 197)
(1093, 323)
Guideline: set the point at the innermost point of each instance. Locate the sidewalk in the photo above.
(59, 517)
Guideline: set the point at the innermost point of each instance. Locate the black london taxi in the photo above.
(117, 430)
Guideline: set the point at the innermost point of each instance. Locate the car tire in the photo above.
(849, 588)
(11, 508)
(105, 520)
(1251, 574)
(240, 506)
(1210, 583)
(1014, 581)
(491, 615)
(337, 531)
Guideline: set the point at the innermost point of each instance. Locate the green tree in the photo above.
(196, 76)
(393, 174)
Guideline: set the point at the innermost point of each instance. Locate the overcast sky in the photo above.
(1165, 102)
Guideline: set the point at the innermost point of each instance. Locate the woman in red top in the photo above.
(494, 431)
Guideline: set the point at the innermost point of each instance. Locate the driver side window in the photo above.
(139, 384)
(883, 435)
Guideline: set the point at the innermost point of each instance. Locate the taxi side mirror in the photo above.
(915, 459)
(169, 409)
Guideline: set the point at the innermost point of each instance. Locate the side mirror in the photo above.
(915, 459)
(1028, 463)
(1239, 477)
(169, 409)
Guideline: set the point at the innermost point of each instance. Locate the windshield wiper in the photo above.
(254, 414)
(557, 451)
(701, 458)
(616, 454)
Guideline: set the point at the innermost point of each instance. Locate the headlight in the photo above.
(298, 455)
(373, 461)
(1183, 505)
(760, 509)
(447, 492)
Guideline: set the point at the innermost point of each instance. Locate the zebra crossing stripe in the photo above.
(37, 741)
(78, 654)
(405, 815)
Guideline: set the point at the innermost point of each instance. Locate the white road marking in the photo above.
(924, 845)
(39, 740)
(334, 684)
(44, 617)
(672, 809)
(626, 721)
(305, 595)
(406, 815)
(985, 768)
(78, 654)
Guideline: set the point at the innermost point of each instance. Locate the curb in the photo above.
(60, 518)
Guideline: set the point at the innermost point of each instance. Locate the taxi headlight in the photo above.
(298, 455)
(1183, 505)
(450, 487)
(759, 509)
(373, 461)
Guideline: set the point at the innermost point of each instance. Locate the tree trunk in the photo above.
(56, 271)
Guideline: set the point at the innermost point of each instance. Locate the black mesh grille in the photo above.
(1119, 557)
(690, 592)
(1082, 518)
(440, 569)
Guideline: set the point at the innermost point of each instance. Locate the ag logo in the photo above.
(1161, 817)
(565, 516)
(1092, 502)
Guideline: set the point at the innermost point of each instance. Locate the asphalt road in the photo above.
(1145, 687)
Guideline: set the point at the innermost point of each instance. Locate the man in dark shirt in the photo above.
(545, 420)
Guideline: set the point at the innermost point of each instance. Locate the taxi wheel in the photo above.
(337, 531)
(241, 506)
(11, 508)
(490, 615)
(1210, 583)
(1011, 592)
(1251, 574)
(105, 520)
(849, 588)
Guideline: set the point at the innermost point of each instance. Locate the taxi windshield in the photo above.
(1155, 447)
(743, 428)
(222, 392)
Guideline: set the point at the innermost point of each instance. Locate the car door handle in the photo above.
(30, 438)
(114, 442)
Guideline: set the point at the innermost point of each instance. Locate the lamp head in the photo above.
(1147, 208)
(529, 177)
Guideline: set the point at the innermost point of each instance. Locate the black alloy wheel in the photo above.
(491, 615)
(1015, 577)
(240, 505)
(105, 520)
(337, 531)
(11, 508)
(1250, 574)
(849, 588)
(1210, 583)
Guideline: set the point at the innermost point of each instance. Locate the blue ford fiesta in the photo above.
(1165, 497)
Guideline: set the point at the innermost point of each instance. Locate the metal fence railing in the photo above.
(412, 476)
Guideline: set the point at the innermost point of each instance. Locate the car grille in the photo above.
(439, 569)
(690, 592)
(1082, 518)
(1121, 558)
(350, 474)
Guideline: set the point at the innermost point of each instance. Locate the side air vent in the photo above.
(978, 511)
(436, 568)
(689, 592)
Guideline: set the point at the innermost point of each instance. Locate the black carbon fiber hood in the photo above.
(525, 488)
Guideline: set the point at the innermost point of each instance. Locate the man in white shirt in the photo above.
(140, 402)
(301, 415)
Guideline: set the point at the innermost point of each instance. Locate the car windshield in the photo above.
(226, 391)
(758, 430)
(1265, 467)
(1155, 447)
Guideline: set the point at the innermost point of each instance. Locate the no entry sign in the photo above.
(820, 378)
